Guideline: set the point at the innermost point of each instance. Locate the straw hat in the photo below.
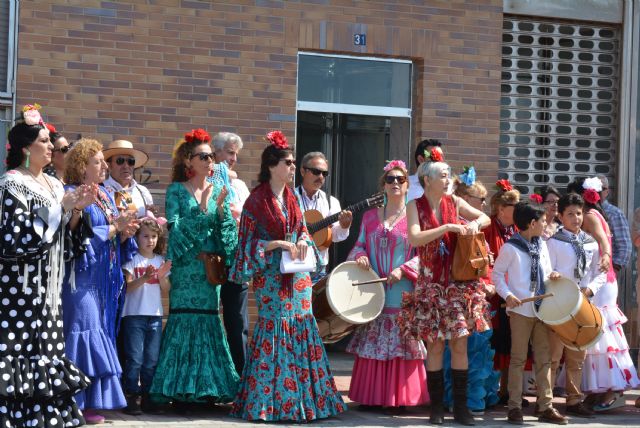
(124, 147)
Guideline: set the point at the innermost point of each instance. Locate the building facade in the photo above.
(537, 92)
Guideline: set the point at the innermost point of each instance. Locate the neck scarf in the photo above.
(577, 243)
(278, 220)
(532, 248)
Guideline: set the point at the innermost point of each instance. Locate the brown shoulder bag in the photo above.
(214, 267)
(470, 258)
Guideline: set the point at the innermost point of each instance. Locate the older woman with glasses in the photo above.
(195, 365)
(500, 231)
(550, 197)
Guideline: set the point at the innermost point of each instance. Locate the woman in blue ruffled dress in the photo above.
(94, 285)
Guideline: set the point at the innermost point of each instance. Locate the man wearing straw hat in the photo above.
(123, 159)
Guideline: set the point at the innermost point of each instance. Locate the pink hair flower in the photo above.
(395, 164)
(278, 140)
(31, 115)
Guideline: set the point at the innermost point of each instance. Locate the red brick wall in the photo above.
(149, 71)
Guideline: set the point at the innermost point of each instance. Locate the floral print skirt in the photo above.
(434, 312)
(287, 375)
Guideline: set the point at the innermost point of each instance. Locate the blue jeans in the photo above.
(142, 336)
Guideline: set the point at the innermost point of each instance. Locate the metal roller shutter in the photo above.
(4, 45)
(559, 101)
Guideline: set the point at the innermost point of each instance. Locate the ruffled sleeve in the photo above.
(410, 268)
(189, 227)
(24, 233)
(251, 256)
(225, 234)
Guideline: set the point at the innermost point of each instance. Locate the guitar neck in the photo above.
(327, 221)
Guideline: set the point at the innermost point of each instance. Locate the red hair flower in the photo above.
(535, 198)
(51, 128)
(197, 135)
(504, 185)
(278, 140)
(434, 155)
(591, 196)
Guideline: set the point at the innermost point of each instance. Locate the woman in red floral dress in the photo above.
(441, 308)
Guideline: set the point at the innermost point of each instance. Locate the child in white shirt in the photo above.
(146, 276)
(519, 272)
(575, 255)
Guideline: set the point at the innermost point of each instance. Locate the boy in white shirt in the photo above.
(575, 255)
(519, 272)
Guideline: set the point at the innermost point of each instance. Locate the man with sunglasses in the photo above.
(123, 159)
(416, 189)
(314, 170)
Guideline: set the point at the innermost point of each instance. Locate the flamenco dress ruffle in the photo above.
(389, 368)
(287, 377)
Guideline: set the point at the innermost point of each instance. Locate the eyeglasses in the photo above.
(63, 149)
(130, 161)
(482, 200)
(203, 156)
(551, 202)
(316, 171)
(390, 179)
(289, 162)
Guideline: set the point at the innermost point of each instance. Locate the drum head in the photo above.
(359, 304)
(565, 301)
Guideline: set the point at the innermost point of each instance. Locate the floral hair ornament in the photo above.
(504, 185)
(197, 135)
(468, 175)
(51, 128)
(591, 196)
(434, 155)
(395, 164)
(592, 183)
(534, 197)
(278, 140)
(31, 115)
(161, 221)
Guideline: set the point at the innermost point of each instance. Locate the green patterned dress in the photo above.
(195, 364)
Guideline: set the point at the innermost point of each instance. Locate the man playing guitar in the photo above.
(314, 170)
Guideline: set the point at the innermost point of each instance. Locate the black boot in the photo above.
(461, 413)
(435, 384)
(148, 406)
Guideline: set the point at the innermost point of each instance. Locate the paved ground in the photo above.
(341, 366)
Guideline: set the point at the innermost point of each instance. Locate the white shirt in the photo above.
(320, 202)
(140, 195)
(415, 188)
(242, 192)
(514, 264)
(564, 261)
(146, 299)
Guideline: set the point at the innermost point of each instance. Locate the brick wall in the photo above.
(148, 71)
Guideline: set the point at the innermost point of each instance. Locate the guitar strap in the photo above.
(300, 192)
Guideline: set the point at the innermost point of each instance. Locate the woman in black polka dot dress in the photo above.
(37, 381)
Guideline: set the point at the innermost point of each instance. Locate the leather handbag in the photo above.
(214, 267)
(470, 258)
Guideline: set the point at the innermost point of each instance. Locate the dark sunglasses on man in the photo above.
(130, 161)
(316, 171)
(203, 156)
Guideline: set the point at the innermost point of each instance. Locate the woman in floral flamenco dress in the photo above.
(286, 375)
(389, 368)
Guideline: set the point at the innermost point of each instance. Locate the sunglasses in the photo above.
(203, 156)
(316, 171)
(62, 150)
(483, 200)
(289, 162)
(390, 179)
(129, 161)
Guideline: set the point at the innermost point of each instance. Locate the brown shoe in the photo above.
(515, 417)
(552, 416)
(537, 412)
(580, 410)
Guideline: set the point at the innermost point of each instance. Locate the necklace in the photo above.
(48, 187)
(387, 226)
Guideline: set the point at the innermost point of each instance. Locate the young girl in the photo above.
(146, 275)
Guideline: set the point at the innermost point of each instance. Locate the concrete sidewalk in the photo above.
(341, 363)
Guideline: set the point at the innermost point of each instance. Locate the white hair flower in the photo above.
(593, 183)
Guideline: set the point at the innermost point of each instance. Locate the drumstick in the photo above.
(372, 281)
(531, 299)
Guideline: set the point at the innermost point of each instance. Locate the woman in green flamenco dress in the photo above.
(195, 364)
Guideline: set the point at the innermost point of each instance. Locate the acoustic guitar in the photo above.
(320, 227)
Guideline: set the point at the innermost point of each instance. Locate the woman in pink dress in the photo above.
(389, 368)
